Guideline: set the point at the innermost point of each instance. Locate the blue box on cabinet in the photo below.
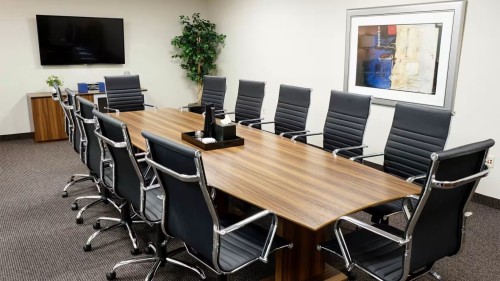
(86, 87)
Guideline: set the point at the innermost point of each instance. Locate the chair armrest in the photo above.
(140, 154)
(293, 132)
(84, 120)
(260, 123)
(371, 228)
(270, 235)
(149, 105)
(452, 184)
(150, 187)
(68, 107)
(110, 142)
(414, 178)
(343, 246)
(336, 151)
(249, 120)
(109, 108)
(307, 135)
(243, 223)
(366, 156)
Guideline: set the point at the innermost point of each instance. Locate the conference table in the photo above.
(308, 188)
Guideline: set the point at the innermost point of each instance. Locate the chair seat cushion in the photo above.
(378, 255)
(244, 245)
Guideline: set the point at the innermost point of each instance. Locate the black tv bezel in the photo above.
(76, 63)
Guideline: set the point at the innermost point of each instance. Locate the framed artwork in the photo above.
(406, 53)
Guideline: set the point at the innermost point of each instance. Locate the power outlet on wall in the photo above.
(490, 161)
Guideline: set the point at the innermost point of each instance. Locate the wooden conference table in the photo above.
(307, 188)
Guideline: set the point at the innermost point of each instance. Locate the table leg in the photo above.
(303, 261)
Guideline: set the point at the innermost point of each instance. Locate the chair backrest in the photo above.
(346, 122)
(189, 213)
(437, 226)
(124, 92)
(77, 135)
(68, 123)
(249, 101)
(87, 122)
(292, 109)
(128, 177)
(416, 132)
(214, 91)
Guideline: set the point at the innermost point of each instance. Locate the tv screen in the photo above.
(80, 40)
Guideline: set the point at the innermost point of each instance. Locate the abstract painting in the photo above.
(405, 53)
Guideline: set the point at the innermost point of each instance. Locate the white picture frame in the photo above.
(377, 44)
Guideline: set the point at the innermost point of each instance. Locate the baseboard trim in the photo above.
(486, 200)
(20, 136)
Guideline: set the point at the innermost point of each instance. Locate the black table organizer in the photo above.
(189, 137)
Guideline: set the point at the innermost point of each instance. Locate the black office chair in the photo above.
(416, 132)
(99, 166)
(124, 93)
(214, 92)
(291, 112)
(436, 228)
(69, 108)
(249, 102)
(345, 124)
(129, 178)
(222, 244)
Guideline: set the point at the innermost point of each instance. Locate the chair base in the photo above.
(98, 199)
(120, 222)
(76, 178)
(159, 260)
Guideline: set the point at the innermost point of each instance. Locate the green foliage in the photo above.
(197, 47)
(52, 79)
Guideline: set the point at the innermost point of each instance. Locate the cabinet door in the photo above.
(48, 119)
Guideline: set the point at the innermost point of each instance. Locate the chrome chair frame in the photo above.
(98, 180)
(69, 125)
(406, 240)
(219, 231)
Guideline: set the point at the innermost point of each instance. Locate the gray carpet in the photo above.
(39, 239)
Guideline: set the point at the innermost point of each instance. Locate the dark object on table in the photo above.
(190, 137)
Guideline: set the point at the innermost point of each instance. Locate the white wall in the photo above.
(302, 43)
(149, 27)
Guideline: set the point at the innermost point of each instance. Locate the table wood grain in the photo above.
(300, 183)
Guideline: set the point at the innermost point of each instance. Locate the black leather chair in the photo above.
(416, 132)
(436, 228)
(69, 108)
(93, 157)
(214, 92)
(291, 112)
(249, 102)
(345, 124)
(224, 245)
(130, 181)
(124, 93)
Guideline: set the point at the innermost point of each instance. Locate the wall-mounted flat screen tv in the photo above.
(80, 40)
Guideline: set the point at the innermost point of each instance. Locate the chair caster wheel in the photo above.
(148, 250)
(64, 194)
(87, 248)
(106, 202)
(134, 251)
(111, 275)
(351, 275)
(96, 225)
(79, 220)
(74, 206)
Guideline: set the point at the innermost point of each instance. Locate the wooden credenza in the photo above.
(47, 117)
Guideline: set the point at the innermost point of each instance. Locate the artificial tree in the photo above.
(197, 48)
